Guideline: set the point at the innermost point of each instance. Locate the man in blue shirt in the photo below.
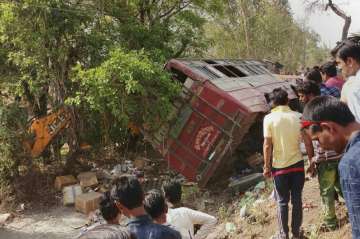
(331, 122)
(128, 195)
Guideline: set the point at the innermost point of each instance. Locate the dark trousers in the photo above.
(289, 186)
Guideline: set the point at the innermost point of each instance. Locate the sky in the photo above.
(327, 24)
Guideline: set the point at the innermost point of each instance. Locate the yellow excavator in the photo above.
(44, 129)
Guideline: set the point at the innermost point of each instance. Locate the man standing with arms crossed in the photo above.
(282, 136)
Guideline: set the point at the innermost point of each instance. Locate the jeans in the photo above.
(349, 169)
(289, 186)
(329, 183)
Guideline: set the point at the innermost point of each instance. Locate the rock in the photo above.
(63, 181)
(87, 179)
(5, 218)
(244, 212)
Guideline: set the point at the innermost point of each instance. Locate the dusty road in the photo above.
(57, 223)
(63, 223)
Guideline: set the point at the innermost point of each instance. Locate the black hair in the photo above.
(349, 47)
(328, 108)
(154, 203)
(308, 87)
(108, 208)
(279, 97)
(314, 75)
(329, 68)
(173, 191)
(128, 191)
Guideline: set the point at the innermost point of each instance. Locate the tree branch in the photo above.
(341, 14)
(182, 49)
(176, 8)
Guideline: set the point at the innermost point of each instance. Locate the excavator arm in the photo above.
(44, 130)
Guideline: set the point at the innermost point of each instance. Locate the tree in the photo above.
(43, 40)
(313, 4)
(262, 30)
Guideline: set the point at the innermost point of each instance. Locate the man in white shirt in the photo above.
(182, 218)
(347, 55)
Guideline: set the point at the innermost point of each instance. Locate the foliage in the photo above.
(13, 122)
(43, 40)
(129, 86)
(264, 30)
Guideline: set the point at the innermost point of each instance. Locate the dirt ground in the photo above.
(265, 224)
(57, 223)
(63, 222)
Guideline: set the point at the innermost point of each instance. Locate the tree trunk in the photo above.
(341, 14)
(246, 32)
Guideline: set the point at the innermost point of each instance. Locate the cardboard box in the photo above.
(70, 193)
(87, 202)
(87, 179)
(63, 181)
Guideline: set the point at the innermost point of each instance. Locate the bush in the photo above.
(129, 87)
(12, 132)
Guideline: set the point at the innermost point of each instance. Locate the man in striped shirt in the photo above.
(326, 163)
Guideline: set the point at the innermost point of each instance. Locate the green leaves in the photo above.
(263, 30)
(129, 86)
(12, 127)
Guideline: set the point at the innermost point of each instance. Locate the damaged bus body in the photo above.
(220, 103)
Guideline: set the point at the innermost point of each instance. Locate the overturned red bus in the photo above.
(219, 103)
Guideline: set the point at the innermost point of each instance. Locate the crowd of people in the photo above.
(157, 214)
(329, 127)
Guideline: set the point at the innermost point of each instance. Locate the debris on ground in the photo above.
(242, 183)
(308, 206)
(87, 202)
(62, 181)
(6, 217)
(230, 227)
(70, 193)
(87, 179)
(244, 212)
(20, 208)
